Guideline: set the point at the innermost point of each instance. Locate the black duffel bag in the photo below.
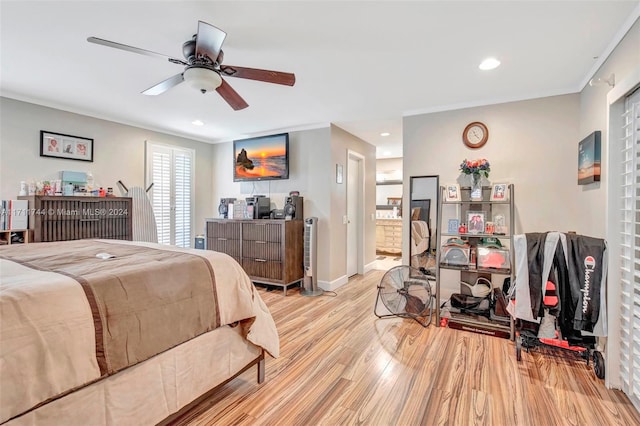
(471, 304)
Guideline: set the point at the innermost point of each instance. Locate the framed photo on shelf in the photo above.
(499, 192)
(476, 222)
(452, 192)
(394, 201)
(69, 147)
(454, 224)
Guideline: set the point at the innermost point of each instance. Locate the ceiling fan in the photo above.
(203, 66)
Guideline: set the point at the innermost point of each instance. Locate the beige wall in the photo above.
(593, 116)
(309, 155)
(532, 144)
(313, 155)
(118, 152)
(601, 201)
(341, 143)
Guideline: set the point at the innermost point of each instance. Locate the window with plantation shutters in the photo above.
(630, 249)
(170, 169)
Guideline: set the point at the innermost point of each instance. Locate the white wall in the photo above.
(388, 169)
(118, 152)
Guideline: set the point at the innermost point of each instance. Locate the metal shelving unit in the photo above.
(457, 210)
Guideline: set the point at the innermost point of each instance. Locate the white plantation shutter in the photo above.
(182, 188)
(171, 171)
(630, 250)
(161, 195)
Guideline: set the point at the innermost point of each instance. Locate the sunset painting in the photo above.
(261, 158)
(589, 159)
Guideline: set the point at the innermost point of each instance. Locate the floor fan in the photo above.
(406, 292)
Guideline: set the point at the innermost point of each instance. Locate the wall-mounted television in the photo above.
(261, 158)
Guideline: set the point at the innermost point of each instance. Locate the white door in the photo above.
(354, 195)
(170, 169)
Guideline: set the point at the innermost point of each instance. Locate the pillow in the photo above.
(415, 213)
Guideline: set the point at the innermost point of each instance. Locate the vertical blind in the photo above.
(630, 249)
(171, 171)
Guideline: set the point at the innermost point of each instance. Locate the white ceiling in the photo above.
(361, 65)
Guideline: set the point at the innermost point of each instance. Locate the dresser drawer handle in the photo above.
(261, 242)
(260, 260)
(222, 239)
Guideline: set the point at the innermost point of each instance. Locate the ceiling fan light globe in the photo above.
(202, 79)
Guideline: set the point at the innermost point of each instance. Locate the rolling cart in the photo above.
(527, 337)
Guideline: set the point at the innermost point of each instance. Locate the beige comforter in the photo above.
(68, 318)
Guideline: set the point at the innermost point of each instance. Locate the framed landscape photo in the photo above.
(589, 159)
(452, 192)
(499, 192)
(475, 222)
(69, 147)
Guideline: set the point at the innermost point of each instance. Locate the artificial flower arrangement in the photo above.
(472, 167)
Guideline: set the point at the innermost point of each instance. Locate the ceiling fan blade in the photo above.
(277, 77)
(165, 85)
(121, 46)
(231, 96)
(209, 41)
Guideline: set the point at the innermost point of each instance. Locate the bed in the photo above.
(131, 336)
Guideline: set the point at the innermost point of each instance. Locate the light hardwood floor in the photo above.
(340, 365)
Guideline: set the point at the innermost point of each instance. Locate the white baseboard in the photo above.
(332, 285)
(370, 266)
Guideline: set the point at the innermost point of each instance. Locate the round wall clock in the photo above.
(475, 135)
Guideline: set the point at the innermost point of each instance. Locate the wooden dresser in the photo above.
(76, 218)
(270, 251)
(389, 236)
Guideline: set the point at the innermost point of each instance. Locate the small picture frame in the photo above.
(476, 222)
(69, 147)
(452, 192)
(339, 178)
(454, 225)
(394, 201)
(499, 192)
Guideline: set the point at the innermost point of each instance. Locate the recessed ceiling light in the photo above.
(385, 134)
(197, 123)
(489, 64)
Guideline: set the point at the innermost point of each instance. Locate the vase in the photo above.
(476, 187)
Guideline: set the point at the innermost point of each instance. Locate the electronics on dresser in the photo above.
(277, 214)
(293, 207)
(223, 208)
(261, 206)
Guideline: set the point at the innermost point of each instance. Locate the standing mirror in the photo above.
(423, 198)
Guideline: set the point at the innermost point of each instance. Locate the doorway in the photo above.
(355, 215)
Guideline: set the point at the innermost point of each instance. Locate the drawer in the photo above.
(261, 268)
(223, 229)
(394, 233)
(224, 245)
(262, 250)
(256, 231)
